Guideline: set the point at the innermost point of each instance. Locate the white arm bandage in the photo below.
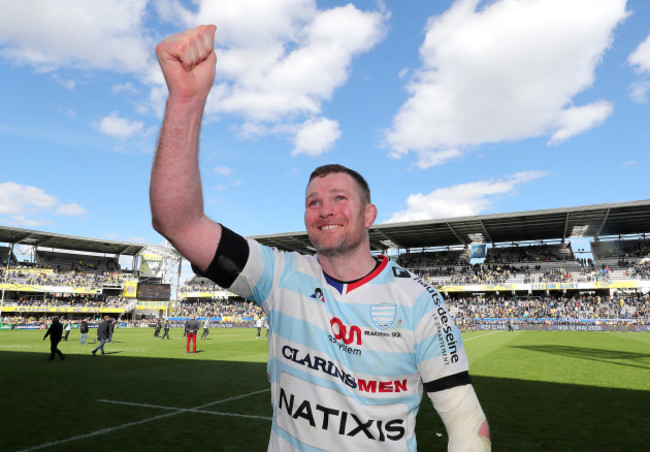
(464, 419)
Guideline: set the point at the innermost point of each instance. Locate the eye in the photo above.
(341, 198)
(312, 203)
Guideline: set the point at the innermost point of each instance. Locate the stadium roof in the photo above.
(598, 220)
(67, 242)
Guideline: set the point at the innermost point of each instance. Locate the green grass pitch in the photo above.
(541, 391)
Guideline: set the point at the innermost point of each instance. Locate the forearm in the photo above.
(466, 424)
(175, 190)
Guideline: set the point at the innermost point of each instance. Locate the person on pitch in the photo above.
(356, 340)
(191, 328)
(55, 332)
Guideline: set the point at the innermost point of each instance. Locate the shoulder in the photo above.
(411, 288)
(406, 279)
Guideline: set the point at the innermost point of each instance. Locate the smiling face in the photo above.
(337, 217)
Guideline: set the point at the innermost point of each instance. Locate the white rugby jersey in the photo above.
(348, 362)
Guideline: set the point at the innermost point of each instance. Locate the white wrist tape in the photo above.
(463, 417)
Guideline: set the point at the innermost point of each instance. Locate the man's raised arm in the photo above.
(188, 63)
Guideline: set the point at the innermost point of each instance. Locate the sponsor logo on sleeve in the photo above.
(446, 337)
(401, 273)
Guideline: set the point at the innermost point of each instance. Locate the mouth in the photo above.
(329, 227)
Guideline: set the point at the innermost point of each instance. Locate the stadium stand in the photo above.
(69, 261)
(543, 254)
(4, 256)
(530, 274)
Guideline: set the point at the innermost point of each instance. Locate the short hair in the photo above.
(331, 168)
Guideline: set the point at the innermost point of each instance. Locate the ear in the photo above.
(371, 215)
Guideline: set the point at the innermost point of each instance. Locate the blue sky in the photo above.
(449, 108)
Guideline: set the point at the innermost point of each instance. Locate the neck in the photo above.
(347, 267)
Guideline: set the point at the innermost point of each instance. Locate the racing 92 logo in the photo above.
(344, 333)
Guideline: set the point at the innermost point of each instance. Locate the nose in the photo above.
(326, 210)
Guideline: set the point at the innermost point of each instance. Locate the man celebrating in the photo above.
(355, 338)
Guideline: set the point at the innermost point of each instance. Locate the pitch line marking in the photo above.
(154, 418)
(189, 410)
(482, 335)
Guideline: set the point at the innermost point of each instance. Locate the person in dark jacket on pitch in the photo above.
(111, 330)
(156, 331)
(191, 327)
(83, 329)
(103, 331)
(55, 331)
(166, 328)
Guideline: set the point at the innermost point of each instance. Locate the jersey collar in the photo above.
(346, 287)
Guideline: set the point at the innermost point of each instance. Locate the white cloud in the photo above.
(71, 210)
(284, 58)
(638, 92)
(278, 60)
(98, 34)
(27, 222)
(223, 170)
(124, 87)
(316, 136)
(461, 200)
(438, 157)
(505, 71)
(66, 83)
(119, 127)
(69, 112)
(16, 199)
(22, 203)
(172, 11)
(573, 121)
(640, 58)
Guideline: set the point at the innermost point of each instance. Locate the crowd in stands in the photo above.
(504, 265)
(640, 270)
(219, 309)
(485, 274)
(427, 259)
(68, 301)
(200, 284)
(78, 262)
(560, 309)
(492, 274)
(621, 249)
(70, 278)
(532, 253)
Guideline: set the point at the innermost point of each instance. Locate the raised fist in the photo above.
(188, 62)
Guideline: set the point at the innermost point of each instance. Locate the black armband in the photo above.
(448, 382)
(229, 259)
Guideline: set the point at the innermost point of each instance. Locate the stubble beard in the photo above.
(341, 248)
